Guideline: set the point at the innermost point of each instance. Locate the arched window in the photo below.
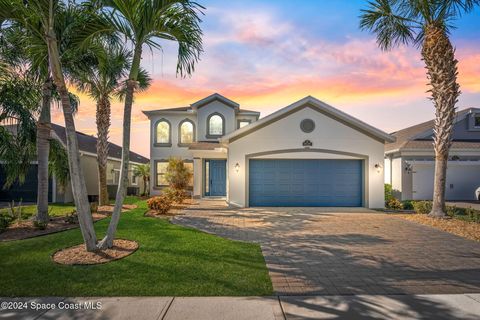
(186, 134)
(163, 133)
(216, 125)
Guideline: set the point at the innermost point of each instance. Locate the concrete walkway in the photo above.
(438, 307)
(346, 251)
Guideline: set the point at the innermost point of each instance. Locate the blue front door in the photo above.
(217, 178)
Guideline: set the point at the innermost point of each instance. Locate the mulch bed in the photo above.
(77, 255)
(174, 211)
(25, 228)
(466, 229)
(109, 209)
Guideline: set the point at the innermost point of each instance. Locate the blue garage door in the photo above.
(306, 183)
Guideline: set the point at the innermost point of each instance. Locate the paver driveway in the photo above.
(328, 251)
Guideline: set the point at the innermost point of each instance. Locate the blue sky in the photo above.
(267, 54)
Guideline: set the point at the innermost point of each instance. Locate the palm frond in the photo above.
(384, 19)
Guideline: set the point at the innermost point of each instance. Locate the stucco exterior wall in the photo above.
(340, 140)
(214, 107)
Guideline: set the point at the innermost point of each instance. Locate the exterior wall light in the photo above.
(378, 166)
(237, 166)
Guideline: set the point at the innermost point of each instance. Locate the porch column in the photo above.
(197, 177)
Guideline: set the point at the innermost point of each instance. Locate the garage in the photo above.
(307, 154)
(26, 192)
(463, 178)
(305, 182)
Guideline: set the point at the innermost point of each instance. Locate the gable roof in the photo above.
(215, 97)
(319, 106)
(200, 103)
(88, 144)
(416, 136)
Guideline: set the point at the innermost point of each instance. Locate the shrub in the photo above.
(72, 217)
(175, 195)
(394, 204)
(160, 204)
(177, 174)
(407, 205)
(40, 225)
(93, 207)
(422, 207)
(453, 211)
(473, 215)
(5, 221)
(388, 192)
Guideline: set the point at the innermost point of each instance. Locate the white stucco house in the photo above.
(409, 161)
(305, 154)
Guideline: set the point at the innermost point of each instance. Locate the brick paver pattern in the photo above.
(330, 251)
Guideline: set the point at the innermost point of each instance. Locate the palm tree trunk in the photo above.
(107, 241)
(103, 125)
(79, 188)
(439, 56)
(144, 185)
(43, 148)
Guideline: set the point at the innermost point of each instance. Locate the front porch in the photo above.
(210, 169)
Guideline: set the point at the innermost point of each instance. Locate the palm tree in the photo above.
(426, 23)
(104, 80)
(83, 25)
(143, 170)
(145, 22)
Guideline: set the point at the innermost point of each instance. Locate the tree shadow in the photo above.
(376, 257)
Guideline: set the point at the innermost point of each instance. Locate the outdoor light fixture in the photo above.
(237, 166)
(378, 166)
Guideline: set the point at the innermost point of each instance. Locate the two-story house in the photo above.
(192, 134)
(305, 154)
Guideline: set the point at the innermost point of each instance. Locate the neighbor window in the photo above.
(243, 123)
(162, 132)
(476, 121)
(161, 169)
(215, 125)
(134, 180)
(187, 134)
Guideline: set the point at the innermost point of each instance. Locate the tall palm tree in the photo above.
(143, 171)
(103, 81)
(33, 14)
(426, 23)
(146, 22)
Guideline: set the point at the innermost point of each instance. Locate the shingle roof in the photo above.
(88, 143)
(406, 137)
(204, 145)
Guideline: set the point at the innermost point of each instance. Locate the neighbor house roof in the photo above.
(319, 106)
(417, 136)
(200, 103)
(87, 143)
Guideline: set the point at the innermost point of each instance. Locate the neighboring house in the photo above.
(306, 154)
(409, 162)
(88, 157)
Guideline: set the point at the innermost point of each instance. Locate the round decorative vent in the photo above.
(307, 125)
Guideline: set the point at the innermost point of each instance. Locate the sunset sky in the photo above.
(267, 54)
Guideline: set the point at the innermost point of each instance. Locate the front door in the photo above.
(217, 178)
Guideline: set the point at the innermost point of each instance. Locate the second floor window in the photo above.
(215, 125)
(187, 134)
(162, 132)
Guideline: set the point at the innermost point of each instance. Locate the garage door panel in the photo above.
(305, 182)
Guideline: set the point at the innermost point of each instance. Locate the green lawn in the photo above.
(55, 210)
(171, 260)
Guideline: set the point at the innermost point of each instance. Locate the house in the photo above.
(87, 144)
(409, 161)
(306, 154)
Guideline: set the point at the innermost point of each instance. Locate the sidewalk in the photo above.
(460, 306)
